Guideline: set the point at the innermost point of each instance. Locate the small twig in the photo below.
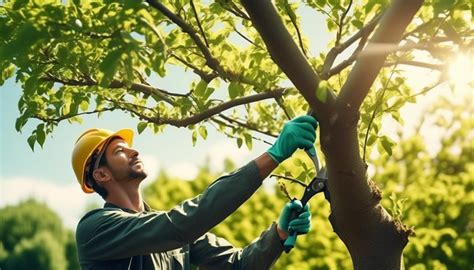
(246, 125)
(292, 180)
(246, 38)
(284, 190)
(341, 23)
(295, 24)
(232, 136)
(199, 23)
(208, 77)
(64, 117)
(379, 102)
(279, 101)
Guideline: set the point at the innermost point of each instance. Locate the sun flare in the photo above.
(461, 71)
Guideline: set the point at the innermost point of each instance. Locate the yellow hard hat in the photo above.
(91, 140)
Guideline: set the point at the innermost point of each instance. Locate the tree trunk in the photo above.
(374, 239)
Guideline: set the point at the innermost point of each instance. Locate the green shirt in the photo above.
(117, 238)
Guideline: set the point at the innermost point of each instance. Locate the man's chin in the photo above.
(139, 175)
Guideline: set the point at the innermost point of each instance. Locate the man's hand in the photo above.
(297, 133)
(301, 224)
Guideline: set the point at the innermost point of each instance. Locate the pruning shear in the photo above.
(317, 185)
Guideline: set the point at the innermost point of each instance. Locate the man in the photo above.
(127, 234)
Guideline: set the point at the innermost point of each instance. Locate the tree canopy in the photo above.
(89, 57)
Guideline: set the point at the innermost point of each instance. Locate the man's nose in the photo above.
(133, 152)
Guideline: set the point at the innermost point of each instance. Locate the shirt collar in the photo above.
(111, 205)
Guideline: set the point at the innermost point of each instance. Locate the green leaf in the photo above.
(200, 88)
(84, 105)
(40, 135)
(109, 67)
(208, 93)
(357, 23)
(322, 91)
(203, 132)
(235, 90)
(141, 127)
(321, 3)
(31, 142)
(387, 145)
(371, 140)
(239, 142)
(194, 137)
(248, 140)
(25, 38)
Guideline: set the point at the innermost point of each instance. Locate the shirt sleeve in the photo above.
(212, 252)
(113, 233)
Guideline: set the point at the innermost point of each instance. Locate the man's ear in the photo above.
(101, 175)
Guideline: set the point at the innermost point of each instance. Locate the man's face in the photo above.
(123, 162)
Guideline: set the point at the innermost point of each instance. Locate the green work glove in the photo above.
(297, 133)
(301, 224)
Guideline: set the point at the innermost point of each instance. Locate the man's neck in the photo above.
(129, 198)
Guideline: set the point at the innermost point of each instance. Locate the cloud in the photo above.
(68, 201)
(218, 152)
(152, 166)
(185, 170)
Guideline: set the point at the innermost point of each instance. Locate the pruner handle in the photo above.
(291, 239)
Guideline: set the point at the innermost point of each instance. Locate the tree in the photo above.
(33, 237)
(432, 191)
(89, 57)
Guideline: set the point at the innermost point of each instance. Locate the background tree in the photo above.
(33, 237)
(88, 57)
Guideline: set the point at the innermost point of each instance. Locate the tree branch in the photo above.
(196, 118)
(374, 112)
(392, 25)
(341, 66)
(208, 77)
(341, 23)
(64, 117)
(210, 60)
(336, 50)
(286, 54)
(247, 125)
(232, 136)
(293, 21)
(199, 23)
(246, 38)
